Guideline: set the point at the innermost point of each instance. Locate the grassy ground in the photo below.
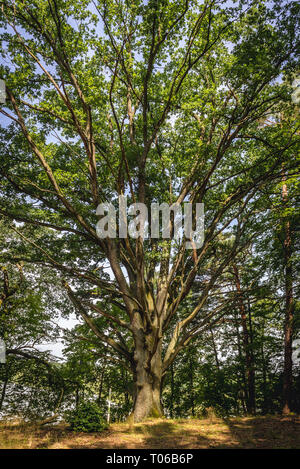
(250, 432)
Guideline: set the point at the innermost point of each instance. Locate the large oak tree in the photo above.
(162, 101)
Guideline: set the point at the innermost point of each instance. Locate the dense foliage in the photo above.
(161, 101)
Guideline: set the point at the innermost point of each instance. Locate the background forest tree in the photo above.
(161, 101)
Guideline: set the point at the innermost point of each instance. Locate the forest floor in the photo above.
(247, 432)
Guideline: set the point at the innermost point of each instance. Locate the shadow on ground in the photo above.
(266, 432)
(260, 432)
(248, 432)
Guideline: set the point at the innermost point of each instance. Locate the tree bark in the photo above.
(148, 382)
(243, 384)
(191, 373)
(214, 348)
(247, 347)
(101, 386)
(288, 322)
(288, 325)
(3, 393)
(172, 391)
(77, 396)
(265, 406)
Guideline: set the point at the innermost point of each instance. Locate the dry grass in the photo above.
(250, 432)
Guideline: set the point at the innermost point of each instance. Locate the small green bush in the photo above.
(87, 417)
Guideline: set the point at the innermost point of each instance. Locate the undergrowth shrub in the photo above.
(88, 417)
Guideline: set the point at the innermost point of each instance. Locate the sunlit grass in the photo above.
(248, 432)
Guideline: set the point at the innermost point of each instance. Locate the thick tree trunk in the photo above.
(147, 403)
(148, 382)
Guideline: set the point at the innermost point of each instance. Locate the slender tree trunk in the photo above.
(3, 393)
(191, 372)
(125, 381)
(247, 347)
(288, 323)
(101, 386)
(77, 396)
(215, 348)
(252, 367)
(172, 392)
(264, 373)
(243, 377)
